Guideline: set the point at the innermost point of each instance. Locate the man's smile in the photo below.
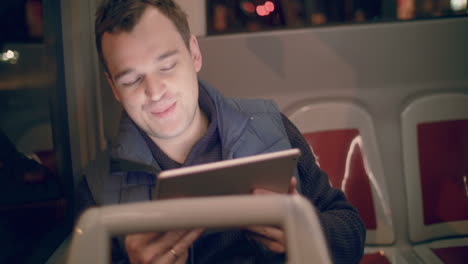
(164, 111)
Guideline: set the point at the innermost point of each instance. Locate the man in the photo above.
(172, 120)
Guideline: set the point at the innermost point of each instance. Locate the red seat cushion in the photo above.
(452, 255)
(375, 258)
(339, 154)
(443, 164)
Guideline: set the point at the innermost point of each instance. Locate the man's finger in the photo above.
(159, 247)
(136, 243)
(292, 186)
(183, 258)
(172, 237)
(186, 241)
(260, 191)
(180, 249)
(140, 239)
(272, 233)
(270, 244)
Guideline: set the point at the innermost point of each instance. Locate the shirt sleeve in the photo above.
(342, 225)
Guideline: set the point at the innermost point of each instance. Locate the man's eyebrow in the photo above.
(167, 54)
(122, 73)
(159, 58)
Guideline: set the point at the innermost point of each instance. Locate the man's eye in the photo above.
(169, 67)
(131, 82)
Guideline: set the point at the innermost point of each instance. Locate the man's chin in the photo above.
(165, 133)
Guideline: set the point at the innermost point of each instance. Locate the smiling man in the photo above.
(153, 72)
(172, 119)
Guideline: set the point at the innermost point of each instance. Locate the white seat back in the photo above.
(316, 118)
(435, 152)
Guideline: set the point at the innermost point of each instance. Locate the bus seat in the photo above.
(435, 152)
(449, 251)
(342, 138)
(390, 254)
(339, 153)
(375, 258)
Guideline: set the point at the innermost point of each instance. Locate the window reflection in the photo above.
(33, 201)
(226, 16)
(21, 21)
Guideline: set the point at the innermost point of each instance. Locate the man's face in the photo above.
(154, 75)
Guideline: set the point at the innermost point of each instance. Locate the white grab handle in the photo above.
(305, 239)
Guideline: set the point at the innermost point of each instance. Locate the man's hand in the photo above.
(271, 237)
(162, 248)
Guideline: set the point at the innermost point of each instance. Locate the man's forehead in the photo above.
(151, 21)
(154, 33)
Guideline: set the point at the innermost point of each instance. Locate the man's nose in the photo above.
(155, 88)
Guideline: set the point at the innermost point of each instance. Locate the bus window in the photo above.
(225, 16)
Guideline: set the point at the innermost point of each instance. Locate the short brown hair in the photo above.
(115, 16)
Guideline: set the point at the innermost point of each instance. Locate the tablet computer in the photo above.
(271, 171)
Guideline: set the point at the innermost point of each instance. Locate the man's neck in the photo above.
(179, 147)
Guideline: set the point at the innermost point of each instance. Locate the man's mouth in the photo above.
(164, 111)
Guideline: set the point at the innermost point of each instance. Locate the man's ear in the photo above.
(112, 85)
(195, 53)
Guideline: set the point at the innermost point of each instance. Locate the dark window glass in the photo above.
(21, 21)
(225, 16)
(35, 203)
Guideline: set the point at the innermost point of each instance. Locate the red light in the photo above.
(261, 10)
(269, 6)
(248, 7)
